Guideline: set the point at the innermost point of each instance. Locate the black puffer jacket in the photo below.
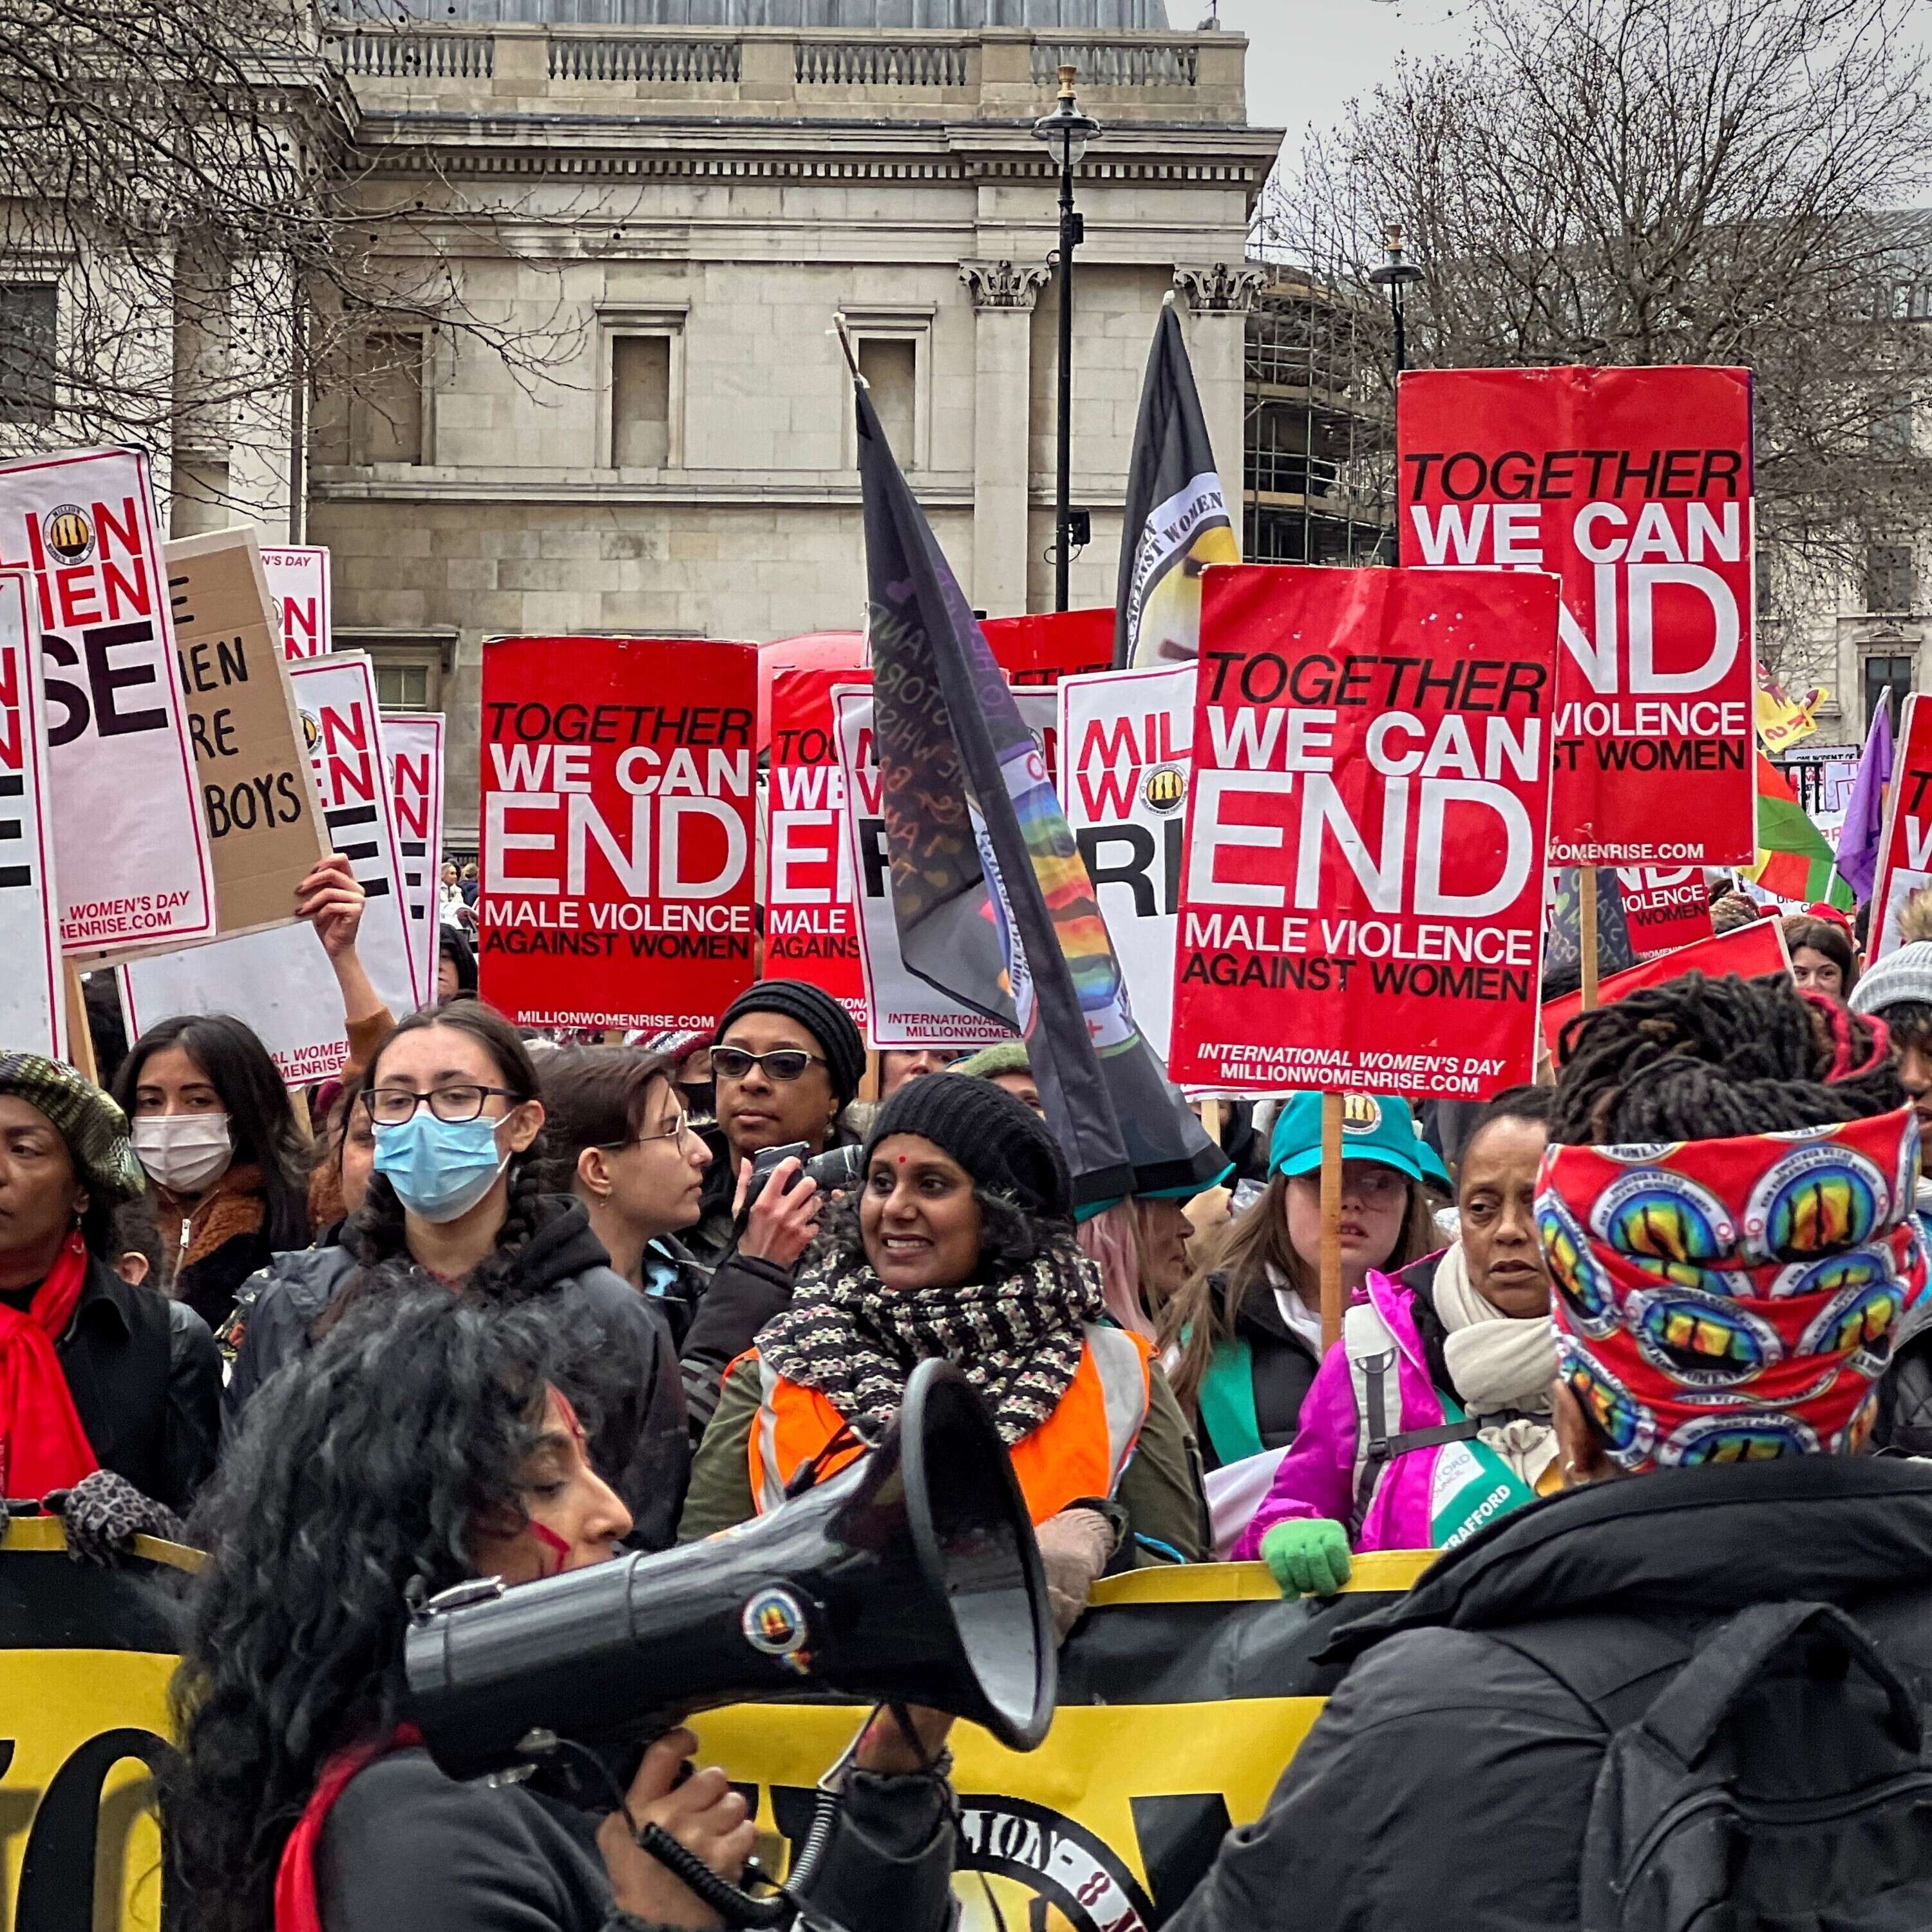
(1447, 1782)
(1283, 1366)
(715, 1315)
(641, 1441)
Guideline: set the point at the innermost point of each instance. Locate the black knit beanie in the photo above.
(820, 1015)
(1001, 1142)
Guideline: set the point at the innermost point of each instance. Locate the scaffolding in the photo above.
(1319, 443)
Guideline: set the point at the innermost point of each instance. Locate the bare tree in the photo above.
(193, 241)
(1635, 182)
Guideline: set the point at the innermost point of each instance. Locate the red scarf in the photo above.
(297, 1907)
(42, 1446)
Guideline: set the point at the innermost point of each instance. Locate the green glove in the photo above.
(1307, 1558)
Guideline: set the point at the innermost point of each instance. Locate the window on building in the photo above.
(890, 363)
(1890, 431)
(402, 687)
(1889, 578)
(387, 411)
(29, 314)
(1883, 674)
(640, 401)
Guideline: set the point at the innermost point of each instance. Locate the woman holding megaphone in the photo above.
(427, 1441)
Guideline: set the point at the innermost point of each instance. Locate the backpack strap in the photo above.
(1372, 1354)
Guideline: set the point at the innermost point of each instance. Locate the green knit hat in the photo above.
(93, 1125)
(1005, 1056)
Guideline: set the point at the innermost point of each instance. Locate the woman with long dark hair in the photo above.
(428, 1440)
(457, 1194)
(213, 1126)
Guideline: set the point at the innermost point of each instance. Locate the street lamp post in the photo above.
(1397, 274)
(1066, 131)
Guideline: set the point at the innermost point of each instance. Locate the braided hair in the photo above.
(376, 1234)
(1703, 1059)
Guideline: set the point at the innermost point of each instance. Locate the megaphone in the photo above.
(912, 1576)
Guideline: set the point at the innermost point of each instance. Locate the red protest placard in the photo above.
(1665, 907)
(1363, 903)
(1045, 648)
(617, 830)
(811, 912)
(1750, 951)
(1634, 486)
(1905, 852)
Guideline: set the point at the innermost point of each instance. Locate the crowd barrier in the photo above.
(1182, 1695)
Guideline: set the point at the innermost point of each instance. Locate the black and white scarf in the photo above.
(1017, 1339)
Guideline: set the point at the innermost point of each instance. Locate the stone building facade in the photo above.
(676, 213)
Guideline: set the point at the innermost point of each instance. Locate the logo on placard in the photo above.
(1165, 789)
(311, 729)
(69, 532)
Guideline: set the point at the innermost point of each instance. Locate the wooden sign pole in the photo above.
(1331, 1220)
(1586, 933)
(79, 1034)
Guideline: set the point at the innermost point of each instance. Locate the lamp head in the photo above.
(1396, 270)
(1066, 131)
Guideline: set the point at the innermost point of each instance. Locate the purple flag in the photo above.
(1864, 827)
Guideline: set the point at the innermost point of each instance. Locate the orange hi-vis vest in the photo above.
(1080, 1450)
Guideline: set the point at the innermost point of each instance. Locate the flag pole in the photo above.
(1331, 1220)
(1586, 931)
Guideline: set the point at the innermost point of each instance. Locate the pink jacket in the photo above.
(1317, 1476)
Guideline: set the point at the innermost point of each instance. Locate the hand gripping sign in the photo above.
(1634, 486)
(1363, 905)
(618, 830)
(135, 866)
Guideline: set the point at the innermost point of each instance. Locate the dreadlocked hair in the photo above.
(1703, 1059)
(376, 1234)
(359, 1475)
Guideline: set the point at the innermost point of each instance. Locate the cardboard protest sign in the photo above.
(812, 929)
(1563, 936)
(617, 830)
(280, 981)
(1125, 739)
(33, 1002)
(412, 748)
(1634, 486)
(1905, 849)
(258, 793)
(1362, 905)
(1749, 951)
(133, 856)
(298, 576)
(904, 1010)
(1665, 907)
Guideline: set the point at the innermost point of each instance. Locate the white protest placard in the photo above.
(280, 983)
(1126, 740)
(298, 576)
(33, 1005)
(905, 1011)
(132, 852)
(412, 748)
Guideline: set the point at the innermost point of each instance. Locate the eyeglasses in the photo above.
(786, 1063)
(677, 1131)
(1376, 1184)
(391, 1106)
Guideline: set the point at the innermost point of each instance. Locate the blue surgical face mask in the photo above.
(439, 1169)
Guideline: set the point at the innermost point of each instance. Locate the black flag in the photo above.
(1176, 520)
(993, 904)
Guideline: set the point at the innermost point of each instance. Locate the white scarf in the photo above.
(1498, 1362)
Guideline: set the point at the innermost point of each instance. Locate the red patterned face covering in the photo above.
(1727, 1301)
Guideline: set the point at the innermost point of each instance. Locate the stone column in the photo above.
(1003, 298)
(1219, 298)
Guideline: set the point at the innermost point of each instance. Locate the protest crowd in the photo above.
(452, 1233)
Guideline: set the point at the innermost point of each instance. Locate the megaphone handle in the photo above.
(732, 1904)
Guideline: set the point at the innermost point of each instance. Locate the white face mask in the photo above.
(183, 1153)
